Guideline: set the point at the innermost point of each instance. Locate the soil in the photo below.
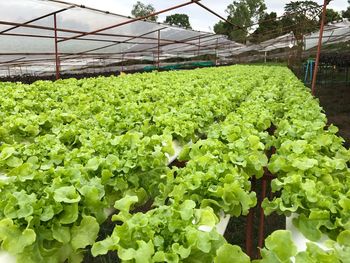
(335, 101)
(236, 230)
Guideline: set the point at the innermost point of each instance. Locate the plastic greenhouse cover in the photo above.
(30, 48)
(333, 33)
(287, 40)
(138, 35)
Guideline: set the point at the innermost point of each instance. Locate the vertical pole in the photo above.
(122, 62)
(249, 226)
(56, 48)
(262, 216)
(8, 69)
(306, 71)
(314, 78)
(199, 44)
(158, 62)
(216, 52)
(265, 56)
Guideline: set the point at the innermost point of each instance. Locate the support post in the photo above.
(249, 226)
(158, 58)
(122, 63)
(216, 52)
(314, 78)
(56, 48)
(199, 44)
(129, 21)
(261, 213)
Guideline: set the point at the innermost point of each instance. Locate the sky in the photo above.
(200, 19)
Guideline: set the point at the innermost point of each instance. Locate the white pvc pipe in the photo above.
(6, 257)
(299, 239)
(222, 225)
(177, 150)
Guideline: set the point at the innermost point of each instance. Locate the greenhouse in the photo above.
(126, 139)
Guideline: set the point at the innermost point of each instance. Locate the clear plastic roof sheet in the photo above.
(27, 37)
(88, 38)
(333, 33)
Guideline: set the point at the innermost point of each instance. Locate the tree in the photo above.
(141, 10)
(180, 20)
(331, 15)
(242, 13)
(269, 27)
(301, 17)
(346, 13)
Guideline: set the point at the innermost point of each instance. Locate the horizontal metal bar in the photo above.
(36, 19)
(80, 32)
(129, 21)
(121, 42)
(219, 16)
(84, 39)
(12, 60)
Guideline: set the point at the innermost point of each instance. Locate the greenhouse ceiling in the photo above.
(44, 36)
(84, 36)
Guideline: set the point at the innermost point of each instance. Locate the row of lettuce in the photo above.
(72, 149)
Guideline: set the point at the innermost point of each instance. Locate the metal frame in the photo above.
(323, 19)
(98, 32)
(195, 44)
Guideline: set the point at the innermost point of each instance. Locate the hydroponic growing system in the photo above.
(166, 159)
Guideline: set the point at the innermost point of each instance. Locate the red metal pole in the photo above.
(199, 44)
(216, 52)
(123, 62)
(82, 32)
(130, 21)
(314, 78)
(158, 62)
(249, 226)
(262, 216)
(216, 14)
(56, 48)
(36, 19)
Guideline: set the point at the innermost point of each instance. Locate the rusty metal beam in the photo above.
(323, 19)
(199, 44)
(81, 32)
(158, 51)
(85, 39)
(183, 41)
(57, 60)
(250, 224)
(36, 19)
(216, 14)
(68, 54)
(175, 48)
(12, 60)
(186, 42)
(128, 21)
(121, 42)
